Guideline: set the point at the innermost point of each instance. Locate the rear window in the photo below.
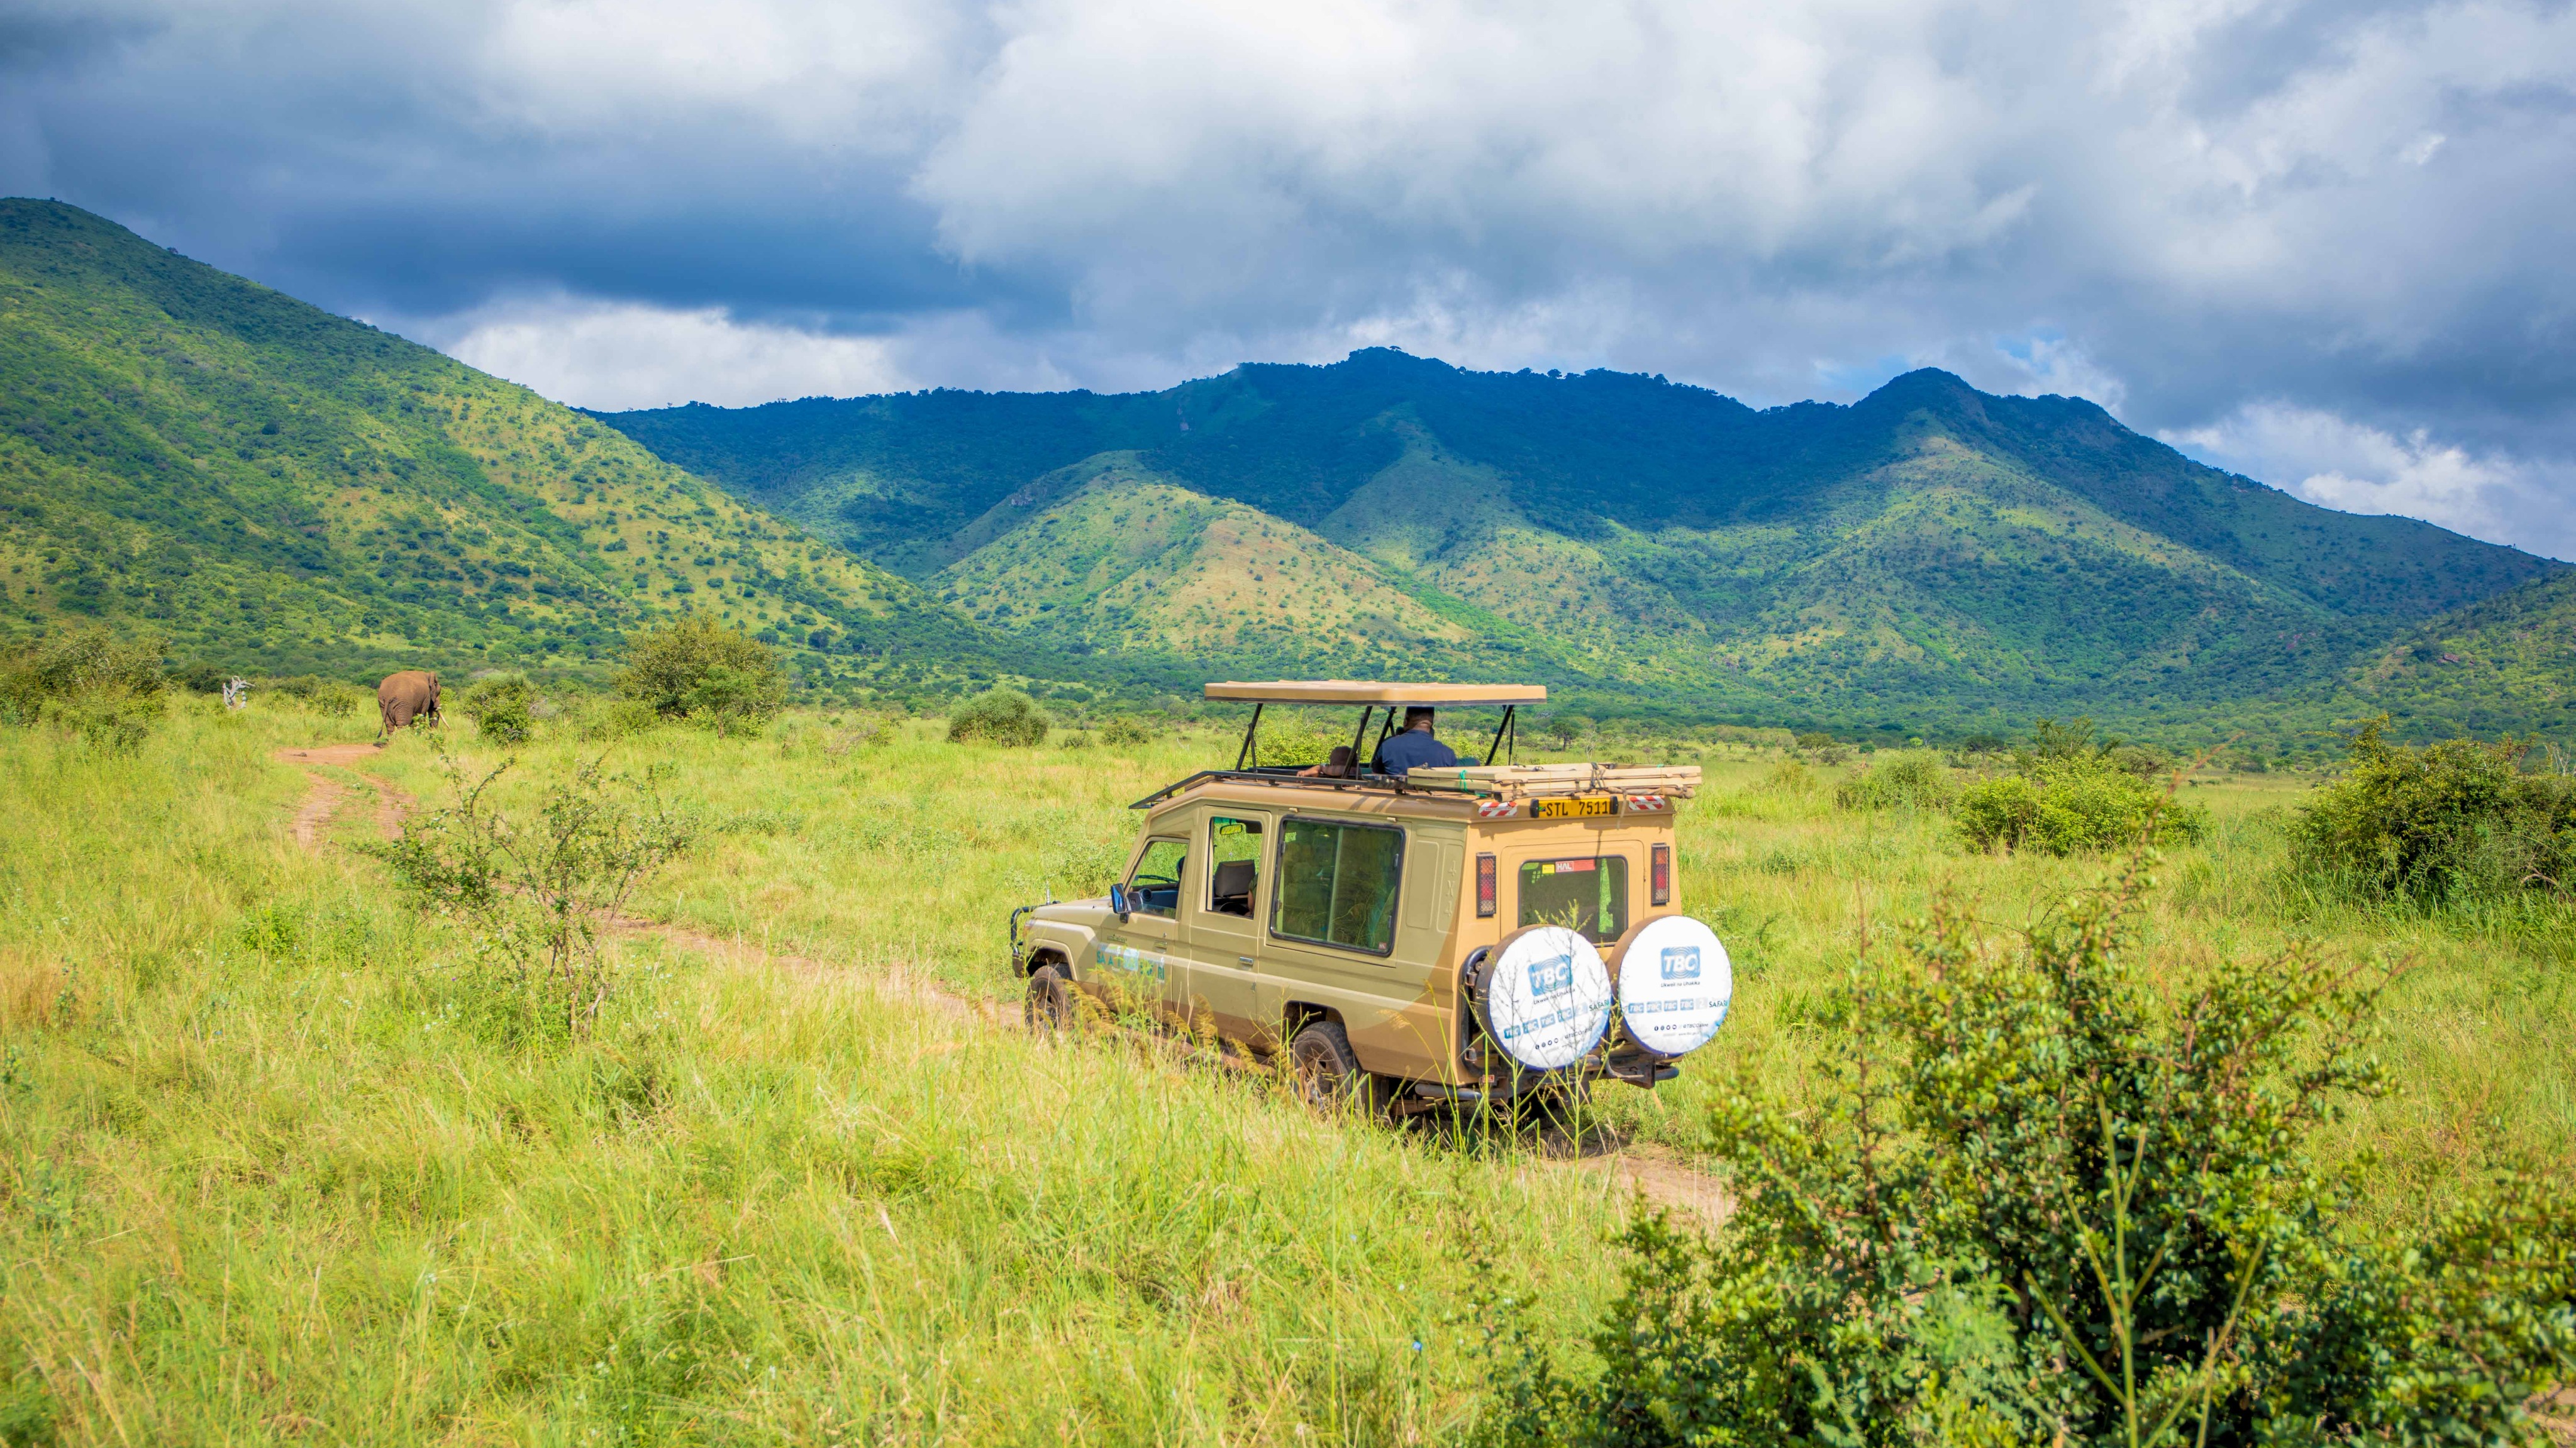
(1337, 884)
(1588, 894)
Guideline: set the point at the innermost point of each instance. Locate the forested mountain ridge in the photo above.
(274, 488)
(1930, 556)
(271, 487)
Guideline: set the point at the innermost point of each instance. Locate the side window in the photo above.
(1588, 894)
(1234, 865)
(1337, 884)
(1155, 887)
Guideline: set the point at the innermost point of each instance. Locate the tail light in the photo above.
(1484, 886)
(1662, 874)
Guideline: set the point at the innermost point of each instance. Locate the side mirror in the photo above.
(1118, 905)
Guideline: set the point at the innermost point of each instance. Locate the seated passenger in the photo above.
(1335, 766)
(1415, 748)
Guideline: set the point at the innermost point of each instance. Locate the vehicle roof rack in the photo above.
(1355, 691)
(1507, 782)
(1284, 775)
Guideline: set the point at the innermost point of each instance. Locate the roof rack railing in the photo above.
(1365, 783)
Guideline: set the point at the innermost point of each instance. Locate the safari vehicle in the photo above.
(1468, 934)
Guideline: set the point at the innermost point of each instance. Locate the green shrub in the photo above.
(603, 720)
(1912, 779)
(1125, 731)
(1789, 776)
(1003, 716)
(501, 706)
(2452, 820)
(541, 885)
(697, 669)
(329, 698)
(2070, 804)
(86, 682)
(2045, 1191)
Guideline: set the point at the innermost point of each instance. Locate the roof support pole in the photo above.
(1500, 730)
(1244, 755)
(1360, 765)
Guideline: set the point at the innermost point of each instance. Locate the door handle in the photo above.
(1245, 959)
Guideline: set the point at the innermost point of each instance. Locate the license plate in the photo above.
(1573, 809)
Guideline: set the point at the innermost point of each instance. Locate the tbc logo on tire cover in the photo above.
(1676, 1003)
(1547, 998)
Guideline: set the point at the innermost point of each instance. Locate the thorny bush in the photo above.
(88, 682)
(2448, 821)
(542, 887)
(2040, 1197)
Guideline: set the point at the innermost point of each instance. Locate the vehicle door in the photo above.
(1331, 935)
(1134, 959)
(1221, 925)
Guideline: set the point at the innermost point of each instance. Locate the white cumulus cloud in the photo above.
(625, 355)
(2342, 464)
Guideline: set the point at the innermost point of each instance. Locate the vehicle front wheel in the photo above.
(1049, 1008)
(1327, 1072)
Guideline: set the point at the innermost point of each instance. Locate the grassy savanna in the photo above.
(265, 1180)
(266, 1176)
(908, 852)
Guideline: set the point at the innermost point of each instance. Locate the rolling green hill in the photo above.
(274, 488)
(1929, 558)
(2506, 664)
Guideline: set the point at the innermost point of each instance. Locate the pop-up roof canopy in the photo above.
(1350, 691)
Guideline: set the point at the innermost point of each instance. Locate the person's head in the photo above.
(1417, 717)
(1337, 765)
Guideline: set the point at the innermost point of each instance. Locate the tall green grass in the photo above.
(265, 1179)
(262, 1174)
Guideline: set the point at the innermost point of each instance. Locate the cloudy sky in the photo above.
(2323, 244)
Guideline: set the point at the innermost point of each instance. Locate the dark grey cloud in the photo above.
(2321, 243)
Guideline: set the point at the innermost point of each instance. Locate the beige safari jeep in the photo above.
(1468, 934)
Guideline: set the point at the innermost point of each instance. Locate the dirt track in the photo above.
(1664, 1181)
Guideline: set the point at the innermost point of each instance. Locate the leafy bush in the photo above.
(2451, 820)
(697, 669)
(1002, 716)
(2050, 1193)
(603, 720)
(2069, 804)
(329, 698)
(540, 887)
(1789, 776)
(1823, 748)
(1912, 779)
(87, 682)
(501, 706)
(1125, 731)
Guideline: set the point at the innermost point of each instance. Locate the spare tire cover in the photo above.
(1675, 983)
(1546, 997)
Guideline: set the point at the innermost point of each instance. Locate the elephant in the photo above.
(408, 697)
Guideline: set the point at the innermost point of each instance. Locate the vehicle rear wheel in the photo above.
(1049, 1008)
(1328, 1072)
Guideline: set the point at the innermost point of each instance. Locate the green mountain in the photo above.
(274, 488)
(1931, 557)
(2503, 665)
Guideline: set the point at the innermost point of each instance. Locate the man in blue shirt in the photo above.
(1414, 748)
